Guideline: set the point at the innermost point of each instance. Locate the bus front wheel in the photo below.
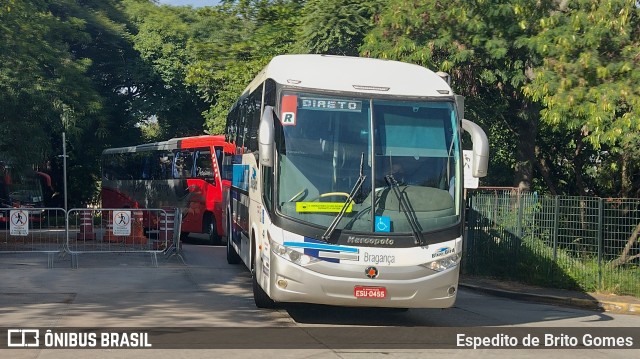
(210, 230)
(260, 297)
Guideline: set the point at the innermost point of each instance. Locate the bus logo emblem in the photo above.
(371, 272)
(443, 251)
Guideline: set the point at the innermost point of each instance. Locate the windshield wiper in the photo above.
(406, 209)
(327, 234)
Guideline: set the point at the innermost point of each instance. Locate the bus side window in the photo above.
(164, 165)
(146, 166)
(177, 165)
(188, 168)
(253, 115)
(183, 164)
(203, 164)
(219, 156)
(124, 171)
(227, 167)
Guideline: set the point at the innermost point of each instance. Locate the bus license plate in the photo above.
(370, 292)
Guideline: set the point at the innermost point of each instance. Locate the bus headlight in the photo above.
(292, 255)
(444, 263)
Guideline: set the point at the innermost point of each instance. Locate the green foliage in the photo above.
(249, 34)
(98, 110)
(46, 85)
(36, 71)
(68, 66)
(556, 89)
(588, 80)
(521, 61)
(336, 27)
(161, 40)
(477, 43)
(589, 85)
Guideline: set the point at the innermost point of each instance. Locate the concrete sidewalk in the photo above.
(514, 290)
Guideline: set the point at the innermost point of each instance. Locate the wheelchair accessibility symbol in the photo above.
(383, 224)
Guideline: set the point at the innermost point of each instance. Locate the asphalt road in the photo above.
(213, 300)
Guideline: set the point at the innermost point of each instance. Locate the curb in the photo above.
(592, 304)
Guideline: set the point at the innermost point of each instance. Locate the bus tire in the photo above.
(232, 255)
(210, 229)
(260, 297)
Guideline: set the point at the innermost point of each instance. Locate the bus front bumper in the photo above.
(294, 283)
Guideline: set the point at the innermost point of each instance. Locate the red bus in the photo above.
(30, 189)
(182, 173)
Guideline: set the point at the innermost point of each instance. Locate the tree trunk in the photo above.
(543, 167)
(578, 165)
(625, 181)
(624, 256)
(527, 131)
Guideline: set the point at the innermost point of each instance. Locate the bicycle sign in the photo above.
(19, 225)
(121, 223)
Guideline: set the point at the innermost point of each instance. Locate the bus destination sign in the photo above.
(327, 104)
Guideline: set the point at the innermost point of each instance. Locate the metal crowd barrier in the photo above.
(120, 230)
(53, 231)
(33, 230)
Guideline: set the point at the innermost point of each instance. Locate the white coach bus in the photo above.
(347, 184)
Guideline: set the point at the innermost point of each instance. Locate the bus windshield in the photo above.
(410, 163)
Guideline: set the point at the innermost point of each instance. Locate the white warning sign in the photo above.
(19, 225)
(121, 223)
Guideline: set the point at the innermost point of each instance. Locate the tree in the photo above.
(99, 37)
(478, 43)
(249, 34)
(336, 27)
(44, 87)
(66, 66)
(35, 71)
(164, 99)
(590, 88)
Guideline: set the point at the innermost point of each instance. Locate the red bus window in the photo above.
(204, 168)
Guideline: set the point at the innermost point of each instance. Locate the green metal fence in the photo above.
(585, 243)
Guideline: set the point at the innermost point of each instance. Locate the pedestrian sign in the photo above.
(19, 225)
(121, 223)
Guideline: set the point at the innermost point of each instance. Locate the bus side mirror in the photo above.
(266, 135)
(480, 148)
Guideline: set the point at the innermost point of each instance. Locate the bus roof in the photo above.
(176, 143)
(353, 74)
